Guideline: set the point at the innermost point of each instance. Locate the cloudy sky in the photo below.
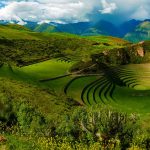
(63, 11)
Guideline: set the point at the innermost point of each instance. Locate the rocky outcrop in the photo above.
(134, 53)
(140, 51)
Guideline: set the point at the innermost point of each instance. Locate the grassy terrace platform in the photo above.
(130, 93)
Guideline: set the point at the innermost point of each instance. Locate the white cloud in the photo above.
(73, 10)
(141, 13)
(50, 10)
(65, 10)
(108, 8)
(129, 7)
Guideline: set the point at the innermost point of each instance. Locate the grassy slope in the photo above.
(20, 32)
(26, 46)
(13, 33)
(48, 98)
(52, 105)
(74, 45)
(127, 99)
(131, 100)
(23, 84)
(45, 28)
(34, 73)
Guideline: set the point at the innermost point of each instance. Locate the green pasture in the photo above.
(44, 70)
(134, 97)
(129, 99)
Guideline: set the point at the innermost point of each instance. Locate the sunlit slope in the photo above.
(134, 76)
(13, 31)
(132, 95)
(39, 71)
(126, 87)
(142, 74)
(20, 46)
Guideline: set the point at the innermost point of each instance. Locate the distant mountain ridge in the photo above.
(140, 33)
(128, 26)
(132, 30)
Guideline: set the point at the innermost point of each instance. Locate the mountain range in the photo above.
(132, 30)
(141, 32)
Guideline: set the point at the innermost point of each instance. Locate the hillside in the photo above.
(128, 26)
(17, 32)
(45, 28)
(102, 28)
(132, 30)
(23, 47)
(81, 28)
(140, 33)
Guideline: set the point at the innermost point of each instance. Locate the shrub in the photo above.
(28, 118)
(7, 114)
(98, 124)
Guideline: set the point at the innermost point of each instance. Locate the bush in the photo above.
(142, 140)
(7, 115)
(97, 124)
(29, 120)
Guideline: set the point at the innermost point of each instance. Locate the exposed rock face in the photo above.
(142, 42)
(134, 53)
(140, 51)
(105, 53)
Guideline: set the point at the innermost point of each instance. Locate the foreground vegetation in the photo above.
(93, 128)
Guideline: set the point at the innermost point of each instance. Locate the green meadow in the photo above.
(126, 98)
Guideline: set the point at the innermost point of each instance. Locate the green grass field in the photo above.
(133, 97)
(33, 73)
(128, 98)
